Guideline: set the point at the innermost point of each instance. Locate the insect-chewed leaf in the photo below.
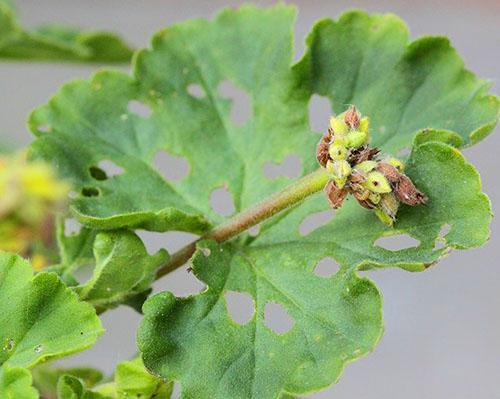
(41, 319)
(360, 59)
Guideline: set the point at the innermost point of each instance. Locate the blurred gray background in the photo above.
(442, 327)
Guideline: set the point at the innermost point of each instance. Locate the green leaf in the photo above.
(58, 42)
(15, 383)
(92, 118)
(404, 88)
(131, 381)
(123, 269)
(71, 387)
(336, 319)
(42, 319)
(45, 377)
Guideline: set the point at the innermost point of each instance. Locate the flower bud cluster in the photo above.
(354, 168)
(29, 193)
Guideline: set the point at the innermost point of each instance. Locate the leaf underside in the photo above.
(415, 92)
(58, 42)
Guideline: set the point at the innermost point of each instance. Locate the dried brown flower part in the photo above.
(402, 185)
(352, 118)
(389, 171)
(335, 195)
(407, 193)
(363, 154)
(322, 154)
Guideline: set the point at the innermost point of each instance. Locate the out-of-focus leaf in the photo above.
(15, 383)
(57, 42)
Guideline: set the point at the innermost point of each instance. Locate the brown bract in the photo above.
(351, 117)
(322, 153)
(403, 187)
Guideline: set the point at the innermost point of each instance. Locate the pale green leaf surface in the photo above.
(41, 319)
(15, 383)
(58, 42)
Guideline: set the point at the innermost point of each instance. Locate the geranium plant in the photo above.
(387, 94)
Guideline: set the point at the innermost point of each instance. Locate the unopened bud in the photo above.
(340, 171)
(337, 152)
(397, 164)
(364, 125)
(366, 166)
(377, 183)
(338, 126)
(356, 139)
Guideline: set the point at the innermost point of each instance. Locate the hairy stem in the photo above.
(289, 196)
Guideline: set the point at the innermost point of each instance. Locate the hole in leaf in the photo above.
(71, 227)
(171, 167)
(397, 242)
(90, 192)
(72, 194)
(290, 167)
(98, 173)
(403, 152)
(43, 128)
(110, 168)
(315, 221)
(139, 109)
(176, 391)
(196, 90)
(276, 318)
(222, 202)
(320, 111)
(171, 241)
(206, 252)
(240, 306)
(254, 230)
(441, 240)
(326, 267)
(241, 107)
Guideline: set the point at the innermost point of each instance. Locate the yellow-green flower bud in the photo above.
(337, 152)
(364, 125)
(397, 164)
(356, 139)
(339, 171)
(374, 198)
(383, 217)
(377, 183)
(338, 125)
(366, 166)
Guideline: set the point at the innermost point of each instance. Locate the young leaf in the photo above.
(252, 48)
(42, 319)
(70, 387)
(131, 380)
(46, 376)
(57, 42)
(123, 269)
(15, 382)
